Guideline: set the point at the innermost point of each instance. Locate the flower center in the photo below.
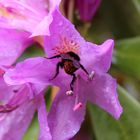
(65, 46)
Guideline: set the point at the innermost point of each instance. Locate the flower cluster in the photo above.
(78, 67)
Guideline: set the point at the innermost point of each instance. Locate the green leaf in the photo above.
(33, 130)
(127, 56)
(127, 128)
(137, 4)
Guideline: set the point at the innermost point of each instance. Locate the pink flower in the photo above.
(85, 63)
(18, 103)
(14, 119)
(12, 45)
(18, 21)
(18, 106)
(33, 16)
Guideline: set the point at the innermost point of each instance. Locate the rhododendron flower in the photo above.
(13, 111)
(18, 103)
(84, 79)
(86, 8)
(33, 16)
(17, 107)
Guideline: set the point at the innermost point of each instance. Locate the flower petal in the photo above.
(97, 57)
(11, 97)
(14, 124)
(62, 32)
(63, 121)
(64, 38)
(102, 91)
(43, 27)
(37, 71)
(41, 6)
(24, 15)
(42, 117)
(12, 44)
(32, 16)
(5, 89)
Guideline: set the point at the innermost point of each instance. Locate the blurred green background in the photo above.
(119, 20)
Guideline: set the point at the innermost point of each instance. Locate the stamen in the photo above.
(69, 93)
(77, 106)
(91, 75)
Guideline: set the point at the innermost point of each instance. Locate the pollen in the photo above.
(65, 46)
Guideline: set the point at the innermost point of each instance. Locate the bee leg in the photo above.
(56, 56)
(72, 82)
(59, 64)
(82, 67)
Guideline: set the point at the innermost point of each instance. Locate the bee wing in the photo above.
(76, 64)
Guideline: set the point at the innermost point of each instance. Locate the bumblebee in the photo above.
(70, 62)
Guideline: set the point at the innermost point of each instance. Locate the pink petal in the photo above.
(41, 6)
(64, 37)
(31, 16)
(12, 44)
(14, 124)
(42, 117)
(103, 92)
(87, 8)
(64, 122)
(97, 57)
(6, 89)
(20, 96)
(37, 71)
(11, 97)
(54, 4)
(43, 27)
(59, 32)
(23, 15)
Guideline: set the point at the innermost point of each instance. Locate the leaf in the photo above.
(127, 56)
(137, 4)
(127, 128)
(115, 19)
(33, 130)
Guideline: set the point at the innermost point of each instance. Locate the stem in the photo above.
(71, 10)
(86, 28)
(62, 8)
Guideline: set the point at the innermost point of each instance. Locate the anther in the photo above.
(77, 106)
(91, 75)
(69, 93)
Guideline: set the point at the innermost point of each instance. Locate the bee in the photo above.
(70, 62)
